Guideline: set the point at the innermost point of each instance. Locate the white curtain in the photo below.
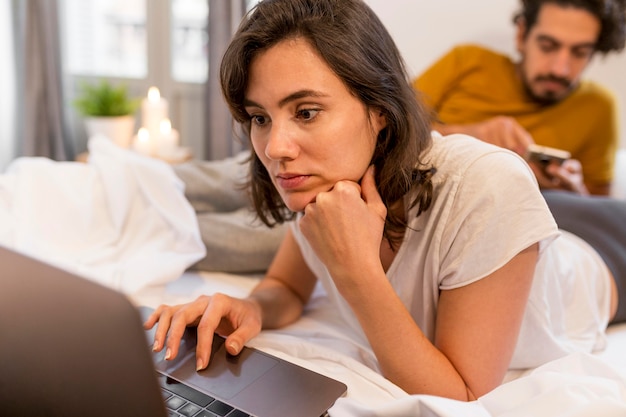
(224, 17)
(7, 87)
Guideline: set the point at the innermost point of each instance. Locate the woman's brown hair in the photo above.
(356, 46)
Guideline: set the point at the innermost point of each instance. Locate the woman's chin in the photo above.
(298, 202)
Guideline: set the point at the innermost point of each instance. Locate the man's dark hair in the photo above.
(610, 13)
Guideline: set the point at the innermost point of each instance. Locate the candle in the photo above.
(154, 108)
(142, 142)
(168, 139)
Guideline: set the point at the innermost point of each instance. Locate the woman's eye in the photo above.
(307, 114)
(258, 120)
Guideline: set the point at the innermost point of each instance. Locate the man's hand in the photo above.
(502, 131)
(567, 177)
(506, 132)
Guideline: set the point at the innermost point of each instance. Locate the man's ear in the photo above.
(520, 37)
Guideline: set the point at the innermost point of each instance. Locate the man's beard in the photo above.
(548, 98)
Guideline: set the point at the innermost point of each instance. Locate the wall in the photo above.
(424, 30)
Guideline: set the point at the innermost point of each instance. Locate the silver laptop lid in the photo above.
(70, 347)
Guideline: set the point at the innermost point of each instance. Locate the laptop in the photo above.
(71, 347)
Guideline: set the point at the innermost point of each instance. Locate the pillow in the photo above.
(235, 240)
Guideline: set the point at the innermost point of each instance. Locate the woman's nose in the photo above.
(281, 142)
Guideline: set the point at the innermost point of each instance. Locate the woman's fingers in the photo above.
(187, 315)
(239, 319)
(209, 322)
(171, 323)
(370, 194)
(163, 316)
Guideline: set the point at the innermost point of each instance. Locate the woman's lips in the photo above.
(290, 181)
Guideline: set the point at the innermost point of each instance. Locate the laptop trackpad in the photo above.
(225, 376)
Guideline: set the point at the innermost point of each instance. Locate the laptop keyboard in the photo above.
(183, 401)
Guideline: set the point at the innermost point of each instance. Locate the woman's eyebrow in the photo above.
(299, 95)
(291, 97)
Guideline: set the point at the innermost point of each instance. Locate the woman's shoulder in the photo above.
(454, 155)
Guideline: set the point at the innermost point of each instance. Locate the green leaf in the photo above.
(104, 99)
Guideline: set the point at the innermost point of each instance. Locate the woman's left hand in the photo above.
(345, 226)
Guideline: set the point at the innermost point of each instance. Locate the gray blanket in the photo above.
(236, 241)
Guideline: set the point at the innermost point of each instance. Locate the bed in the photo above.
(121, 214)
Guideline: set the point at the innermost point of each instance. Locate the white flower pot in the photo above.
(118, 128)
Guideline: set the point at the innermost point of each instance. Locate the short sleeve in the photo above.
(496, 212)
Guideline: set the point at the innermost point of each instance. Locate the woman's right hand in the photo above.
(239, 320)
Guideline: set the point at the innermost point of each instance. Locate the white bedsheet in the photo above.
(579, 385)
(121, 219)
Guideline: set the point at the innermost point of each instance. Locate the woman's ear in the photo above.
(378, 120)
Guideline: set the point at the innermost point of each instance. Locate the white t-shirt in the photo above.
(486, 209)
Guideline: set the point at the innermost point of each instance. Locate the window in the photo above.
(189, 40)
(109, 38)
(105, 38)
(141, 43)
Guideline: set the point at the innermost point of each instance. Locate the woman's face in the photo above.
(307, 129)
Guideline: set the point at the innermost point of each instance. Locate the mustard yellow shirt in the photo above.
(471, 84)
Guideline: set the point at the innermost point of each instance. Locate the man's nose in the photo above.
(561, 64)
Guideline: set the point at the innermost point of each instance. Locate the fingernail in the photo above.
(199, 365)
(155, 346)
(168, 353)
(234, 347)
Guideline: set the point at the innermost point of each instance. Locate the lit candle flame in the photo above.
(166, 126)
(143, 135)
(154, 95)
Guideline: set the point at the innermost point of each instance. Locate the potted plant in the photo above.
(108, 110)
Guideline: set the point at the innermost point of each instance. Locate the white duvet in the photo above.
(121, 219)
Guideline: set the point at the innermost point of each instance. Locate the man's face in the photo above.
(556, 50)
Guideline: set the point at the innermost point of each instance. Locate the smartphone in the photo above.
(544, 155)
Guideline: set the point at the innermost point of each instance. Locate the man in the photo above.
(541, 98)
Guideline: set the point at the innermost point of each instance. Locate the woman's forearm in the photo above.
(279, 305)
(405, 355)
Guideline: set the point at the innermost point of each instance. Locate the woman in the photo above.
(426, 247)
